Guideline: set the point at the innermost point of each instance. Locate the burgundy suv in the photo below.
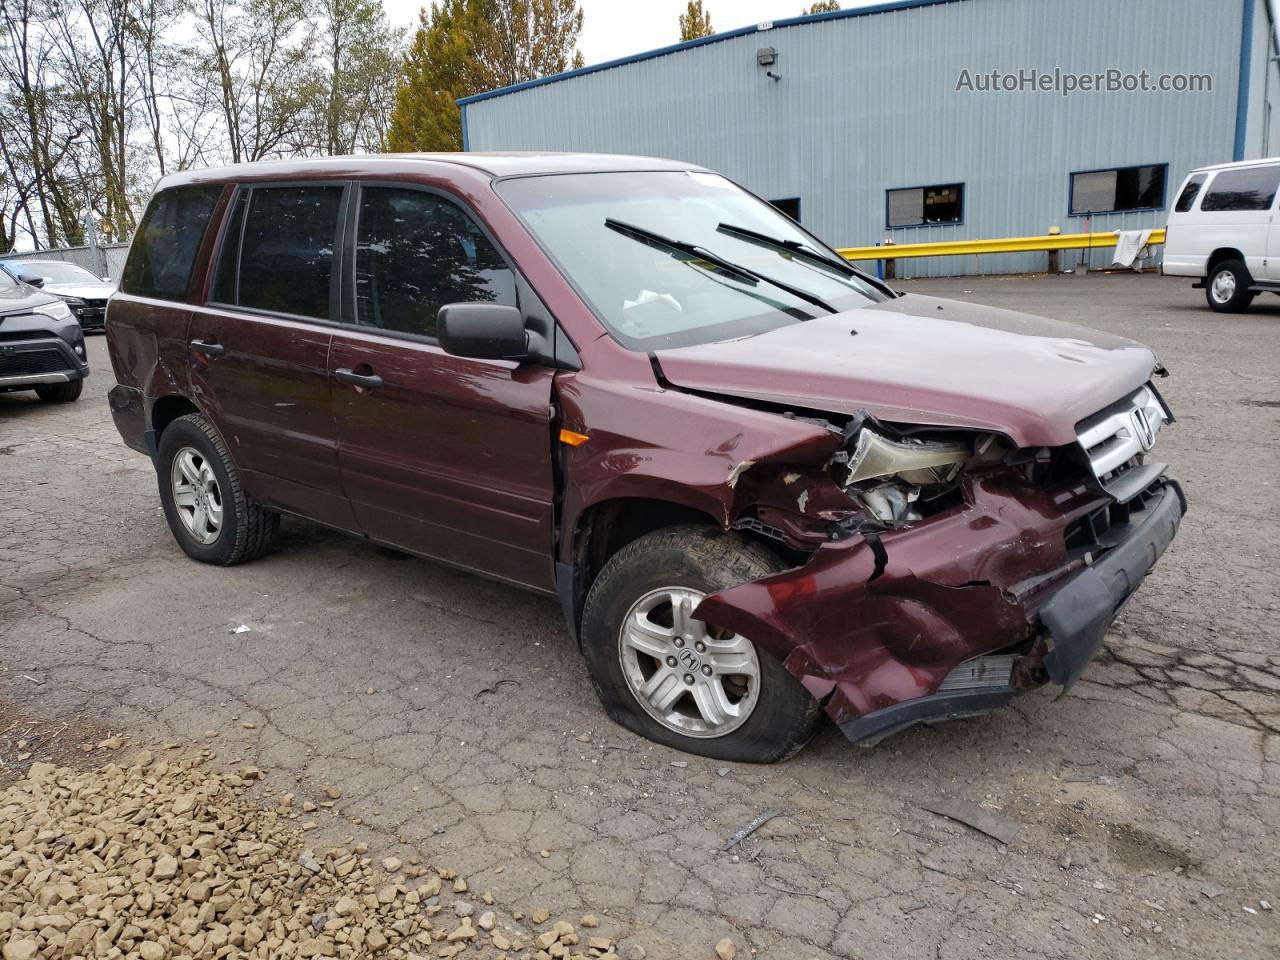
(762, 485)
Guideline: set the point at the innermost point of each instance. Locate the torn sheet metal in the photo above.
(866, 630)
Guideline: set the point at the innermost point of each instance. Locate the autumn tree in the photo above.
(695, 22)
(822, 6)
(440, 66)
(463, 47)
(525, 39)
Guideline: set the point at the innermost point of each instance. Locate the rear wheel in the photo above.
(210, 515)
(60, 392)
(1227, 287)
(675, 679)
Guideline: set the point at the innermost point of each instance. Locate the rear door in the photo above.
(260, 345)
(441, 455)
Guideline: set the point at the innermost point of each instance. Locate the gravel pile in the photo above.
(167, 858)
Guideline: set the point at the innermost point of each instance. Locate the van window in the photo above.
(1249, 188)
(165, 244)
(416, 252)
(1187, 199)
(286, 257)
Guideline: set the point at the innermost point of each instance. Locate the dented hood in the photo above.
(924, 360)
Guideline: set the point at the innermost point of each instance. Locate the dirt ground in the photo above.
(456, 719)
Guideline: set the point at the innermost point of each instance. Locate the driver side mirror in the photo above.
(32, 279)
(484, 331)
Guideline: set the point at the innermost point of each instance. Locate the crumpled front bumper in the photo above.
(957, 613)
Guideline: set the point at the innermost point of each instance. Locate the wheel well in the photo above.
(605, 528)
(168, 409)
(1223, 253)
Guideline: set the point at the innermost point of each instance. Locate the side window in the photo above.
(416, 252)
(1187, 198)
(224, 273)
(286, 257)
(166, 242)
(1251, 188)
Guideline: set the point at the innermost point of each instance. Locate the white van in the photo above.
(1223, 230)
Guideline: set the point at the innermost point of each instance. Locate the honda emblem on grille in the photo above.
(1142, 430)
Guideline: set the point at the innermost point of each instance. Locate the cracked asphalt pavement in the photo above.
(456, 719)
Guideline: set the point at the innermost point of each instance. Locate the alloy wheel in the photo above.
(196, 495)
(691, 677)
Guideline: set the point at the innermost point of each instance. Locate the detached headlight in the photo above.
(54, 311)
(918, 462)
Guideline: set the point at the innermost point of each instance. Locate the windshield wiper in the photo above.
(790, 246)
(694, 252)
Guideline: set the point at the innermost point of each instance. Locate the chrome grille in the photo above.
(1126, 429)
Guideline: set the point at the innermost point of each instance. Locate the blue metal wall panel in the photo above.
(869, 103)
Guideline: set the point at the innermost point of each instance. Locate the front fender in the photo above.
(646, 441)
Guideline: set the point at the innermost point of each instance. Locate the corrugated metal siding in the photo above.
(869, 103)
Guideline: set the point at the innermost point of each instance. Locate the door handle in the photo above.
(208, 349)
(370, 381)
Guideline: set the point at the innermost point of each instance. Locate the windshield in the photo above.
(60, 272)
(674, 258)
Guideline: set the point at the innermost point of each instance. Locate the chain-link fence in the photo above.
(105, 260)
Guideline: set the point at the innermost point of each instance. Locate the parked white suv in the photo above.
(1222, 229)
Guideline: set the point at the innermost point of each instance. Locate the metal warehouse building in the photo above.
(879, 122)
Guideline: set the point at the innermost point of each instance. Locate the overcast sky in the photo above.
(616, 28)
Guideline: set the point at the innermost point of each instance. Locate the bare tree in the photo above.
(256, 55)
(349, 98)
(36, 131)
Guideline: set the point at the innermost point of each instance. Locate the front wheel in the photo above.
(1227, 287)
(675, 679)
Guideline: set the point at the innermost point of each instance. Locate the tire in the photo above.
(244, 530)
(60, 392)
(1227, 287)
(642, 579)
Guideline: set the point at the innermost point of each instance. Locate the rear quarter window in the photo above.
(1250, 188)
(165, 244)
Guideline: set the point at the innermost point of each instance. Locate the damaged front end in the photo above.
(940, 572)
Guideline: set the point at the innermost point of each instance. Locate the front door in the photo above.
(441, 455)
(259, 349)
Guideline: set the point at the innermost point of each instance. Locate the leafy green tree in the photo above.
(695, 22)
(440, 66)
(822, 6)
(463, 47)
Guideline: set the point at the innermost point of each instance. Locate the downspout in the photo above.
(1242, 86)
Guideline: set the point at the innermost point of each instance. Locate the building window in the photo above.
(1249, 188)
(790, 206)
(1117, 189)
(918, 206)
